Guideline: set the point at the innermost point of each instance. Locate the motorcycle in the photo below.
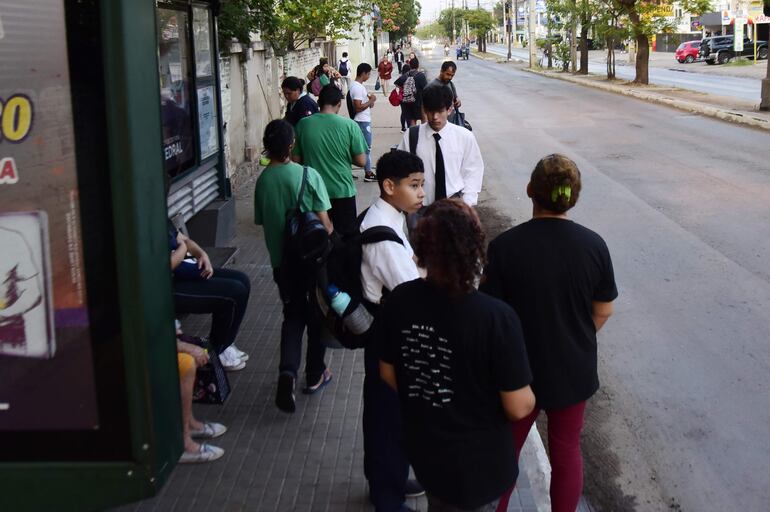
(466, 52)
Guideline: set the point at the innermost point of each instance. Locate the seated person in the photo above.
(190, 357)
(199, 288)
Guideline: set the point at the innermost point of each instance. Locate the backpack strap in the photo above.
(301, 190)
(414, 136)
(377, 234)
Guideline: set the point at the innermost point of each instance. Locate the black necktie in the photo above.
(440, 178)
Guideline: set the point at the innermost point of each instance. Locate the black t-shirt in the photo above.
(304, 107)
(452, 358)
(551, 270)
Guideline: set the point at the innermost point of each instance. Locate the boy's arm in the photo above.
(516, 404)
(601, 312)
(388, 374)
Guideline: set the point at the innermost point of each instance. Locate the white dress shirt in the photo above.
(386, 264)
(463, 165)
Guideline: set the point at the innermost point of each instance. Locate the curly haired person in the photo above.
(456, 357)
(558, 277)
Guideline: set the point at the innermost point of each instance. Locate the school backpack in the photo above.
(351, 105)
(305, 239)
(342, 268)
(343, 68)
(410, 89)
(315, 86)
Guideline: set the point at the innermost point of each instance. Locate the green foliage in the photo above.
(239, 18)
(399, 17)
(561, 51)
(430, 31)
(480, 21)
(302, 22)
(445, 20)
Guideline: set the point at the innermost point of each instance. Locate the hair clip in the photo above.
(561, 190)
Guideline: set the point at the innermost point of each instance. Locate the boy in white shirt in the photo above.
(384, 266)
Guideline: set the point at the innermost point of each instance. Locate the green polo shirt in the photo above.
(276, 194)
(328, 142)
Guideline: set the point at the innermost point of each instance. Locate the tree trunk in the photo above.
(610, 58)
(583, 48)
(642, 50)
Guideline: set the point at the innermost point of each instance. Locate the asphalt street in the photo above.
(743, 88)
(682, 201)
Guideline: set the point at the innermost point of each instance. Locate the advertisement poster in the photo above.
(207, 120)
(46, 366)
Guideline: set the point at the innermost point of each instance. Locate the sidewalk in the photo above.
(311, 460)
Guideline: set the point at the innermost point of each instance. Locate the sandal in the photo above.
(210, 430)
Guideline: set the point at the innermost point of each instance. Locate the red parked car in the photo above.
(688, 52)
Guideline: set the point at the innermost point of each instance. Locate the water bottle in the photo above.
(355, 317)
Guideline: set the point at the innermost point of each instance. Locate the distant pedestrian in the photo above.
(385, 71)
(324, 74)
(344, 68)
(299, 104)
(276, 193)
(403, 119)
(363, 102)
(412, 82)
(389, 55)
(399, 56)
(457, 360)
(452, 158)
(330, 144)
(558, 276)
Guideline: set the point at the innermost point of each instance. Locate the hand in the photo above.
(205, 265)
(372, 98)
(458, 103)
(181, 239)
(200, 354)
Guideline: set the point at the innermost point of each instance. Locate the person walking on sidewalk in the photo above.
(399, 57)
(452, 158)
(276, 193)
(384, 266)
(385, 71)
(363, 102)
(330, 143)
(344, 69)
(558, 277)
(404, 120)
(457, 359)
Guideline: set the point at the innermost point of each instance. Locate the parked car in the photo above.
(719, 49)
(688, 52)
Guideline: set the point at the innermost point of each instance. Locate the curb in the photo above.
(695, 108)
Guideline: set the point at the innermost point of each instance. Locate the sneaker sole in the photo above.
(235, 368)
(318, 387)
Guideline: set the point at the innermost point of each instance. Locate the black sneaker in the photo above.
(284, 398)
(413, 489)
(370, 176)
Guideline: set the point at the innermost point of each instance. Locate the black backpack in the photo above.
(305, 239)
(342, 268)
(343, 68)
(351, 106)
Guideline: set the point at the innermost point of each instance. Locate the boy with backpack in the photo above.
(385, 265)
(412, 83)
(344, 70)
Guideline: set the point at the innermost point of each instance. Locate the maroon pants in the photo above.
(564, 427)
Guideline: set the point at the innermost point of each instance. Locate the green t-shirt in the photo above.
(328, 142)
(276, 194)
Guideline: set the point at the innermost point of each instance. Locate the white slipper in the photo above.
(210, 430)
(206, 453)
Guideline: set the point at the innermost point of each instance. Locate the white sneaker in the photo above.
(206, 453)
(243, 356)
(230, 361)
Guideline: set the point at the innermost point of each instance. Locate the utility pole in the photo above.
(516, 19)
(508, 27)
(453, 22)
(532, 44)
(765, 102)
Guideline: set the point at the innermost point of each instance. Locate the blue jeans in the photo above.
(366, 129)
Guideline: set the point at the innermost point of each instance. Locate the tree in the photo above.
(651, 17)
(450, 19)
(300, 23)
(238, 19)
(610, 30)
(430, 31)
(480, 22)
(399, 17)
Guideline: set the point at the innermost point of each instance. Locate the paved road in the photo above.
(682, 418)
(743, 88)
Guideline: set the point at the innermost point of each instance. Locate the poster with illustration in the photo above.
(46, 363)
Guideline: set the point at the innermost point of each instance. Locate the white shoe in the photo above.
(230, 361)
(210, 430)
(206, 453)
(243, 356)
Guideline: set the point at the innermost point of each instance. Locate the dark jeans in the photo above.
(343, 215)
(385, 464)
(224, 296)
(298, 313)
